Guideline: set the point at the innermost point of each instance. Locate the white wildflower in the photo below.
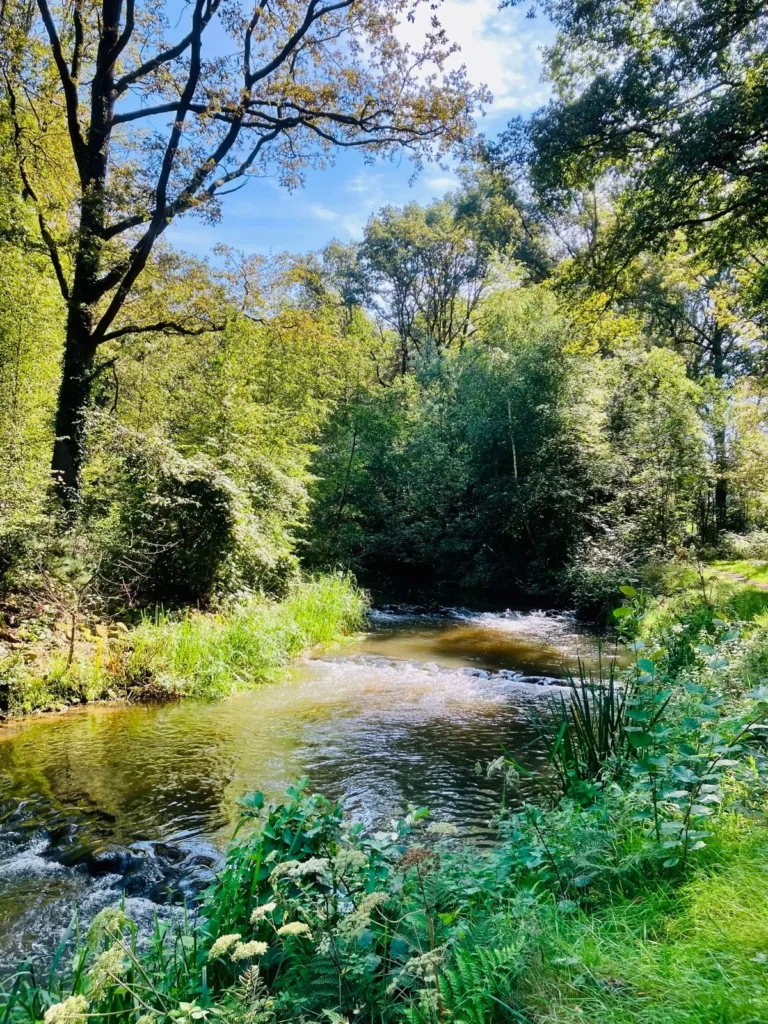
(294, 869)
(109, 967)
(349, 860)
(355, 924)
(313, 866)
(443, 828)
(222, 944)
(260, 912)
(246, 950)
(423, 966)
(283, 868)
(71, 1011)
(295, 928)
(109, 921)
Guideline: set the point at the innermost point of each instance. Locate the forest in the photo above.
(547, 389)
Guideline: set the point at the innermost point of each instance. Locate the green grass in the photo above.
(697, 602)
(752, 570)
(698, 955)
(195, 654)
(214, 655)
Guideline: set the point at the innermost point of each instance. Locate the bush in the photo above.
(594, 580)
(737, 546)
(166, 524)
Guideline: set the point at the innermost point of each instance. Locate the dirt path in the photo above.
(736, 577)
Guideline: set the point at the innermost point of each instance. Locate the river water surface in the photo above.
(140, 799)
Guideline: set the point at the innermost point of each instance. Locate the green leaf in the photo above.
(640, 739)
(638, 715)
(694, 687)
(687, 750)
(646, 665)
(628, 591)
(671, 862)
(567, 907)
(700, 811)
(581, 881)
(622, 613)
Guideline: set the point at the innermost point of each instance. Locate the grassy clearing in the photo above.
(204, 655)
(752, 570)
(696, 955)
(694, 599)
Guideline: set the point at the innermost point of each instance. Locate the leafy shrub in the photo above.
(744, 546)
(166, 524)
(592, 582)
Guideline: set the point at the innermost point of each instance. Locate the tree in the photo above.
(424, 270)
(156, 129)
(667, 105)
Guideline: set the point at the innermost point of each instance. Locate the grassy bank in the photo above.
(636, 892)
(190, 654)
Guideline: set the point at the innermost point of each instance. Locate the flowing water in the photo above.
(141, 799)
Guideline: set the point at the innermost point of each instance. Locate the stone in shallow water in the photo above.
(110, 860)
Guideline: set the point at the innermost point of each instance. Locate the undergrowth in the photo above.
(192, 654)
(637, 893)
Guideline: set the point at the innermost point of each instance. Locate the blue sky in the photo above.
(501, 49)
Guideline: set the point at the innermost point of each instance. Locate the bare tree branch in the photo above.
(166, 326)
(166, 56)
(47, 237)
(70, 90)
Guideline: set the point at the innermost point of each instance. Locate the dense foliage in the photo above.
(314, 918)
(540, 384)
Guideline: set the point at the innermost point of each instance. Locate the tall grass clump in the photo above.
(195, 653)
(250, 641)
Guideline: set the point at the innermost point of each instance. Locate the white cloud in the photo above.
(441, 183)
(500, 49)
(323, 213)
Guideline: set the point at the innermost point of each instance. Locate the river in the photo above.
(137, 799)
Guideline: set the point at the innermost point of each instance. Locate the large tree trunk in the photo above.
(72, 408)
(80, 344)
(720, 442)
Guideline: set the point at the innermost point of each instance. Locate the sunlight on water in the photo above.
(399, 717)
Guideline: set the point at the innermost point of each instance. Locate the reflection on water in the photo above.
(403, 716)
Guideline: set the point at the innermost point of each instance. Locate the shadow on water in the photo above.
(108, 799)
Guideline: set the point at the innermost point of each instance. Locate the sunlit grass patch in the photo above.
(753, 570)
(213, 655)
(194, 653)
(695, 956)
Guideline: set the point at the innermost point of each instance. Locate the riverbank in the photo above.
(632, 891)
(637, 895)
(50, 665)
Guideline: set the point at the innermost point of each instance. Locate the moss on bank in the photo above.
(191, 654)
